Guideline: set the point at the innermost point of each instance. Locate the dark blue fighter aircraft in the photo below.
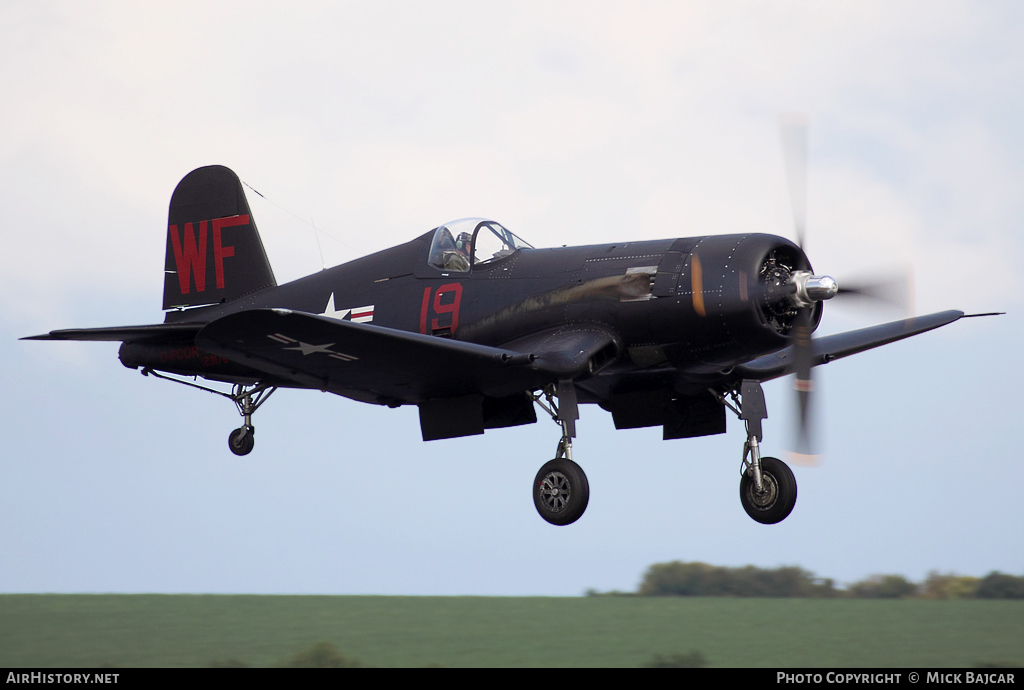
(476, 327)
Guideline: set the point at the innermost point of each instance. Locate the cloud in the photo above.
(573, 123)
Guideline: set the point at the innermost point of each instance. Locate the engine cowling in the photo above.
(738, 298)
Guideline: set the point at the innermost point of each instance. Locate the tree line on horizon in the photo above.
(696, 579)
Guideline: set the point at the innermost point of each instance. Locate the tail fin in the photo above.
(214, 252)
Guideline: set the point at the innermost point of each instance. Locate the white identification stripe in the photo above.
(343, 357)
(281, 338)
(362, 314)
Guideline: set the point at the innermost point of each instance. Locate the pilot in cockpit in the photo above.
(460, 244)
(458, 260)
(445, 253)
(463, 243)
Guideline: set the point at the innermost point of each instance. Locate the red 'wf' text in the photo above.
(190, 254)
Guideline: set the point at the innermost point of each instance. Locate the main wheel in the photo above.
(561, 492)
(775, 502)
(241, 440)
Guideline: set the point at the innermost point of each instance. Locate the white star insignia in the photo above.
(332, 313)
(308, 349)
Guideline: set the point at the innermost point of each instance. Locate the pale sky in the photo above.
(570, 123)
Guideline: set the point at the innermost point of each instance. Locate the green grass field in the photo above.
(199, 630)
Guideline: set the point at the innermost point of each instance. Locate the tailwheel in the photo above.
(242, 440)
(561, 492)
(247, 398)
(777, 495)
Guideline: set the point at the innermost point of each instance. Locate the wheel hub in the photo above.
(555, 491)
(764, 499)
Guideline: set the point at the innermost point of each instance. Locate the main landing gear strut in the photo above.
(767, 485)
(246, 398)
(560, 490)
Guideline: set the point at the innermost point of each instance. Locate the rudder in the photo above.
(214, 252)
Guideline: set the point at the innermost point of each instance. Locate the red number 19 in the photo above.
(449, 308)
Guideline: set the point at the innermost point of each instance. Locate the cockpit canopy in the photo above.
(468, 242)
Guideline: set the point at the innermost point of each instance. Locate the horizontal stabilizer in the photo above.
(367, 362)
(160, 332)
(845, 344)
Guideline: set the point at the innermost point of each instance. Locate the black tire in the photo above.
(561, 492)
(776, 502)
(241, 440)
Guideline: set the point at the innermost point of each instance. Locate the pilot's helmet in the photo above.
(462, 244)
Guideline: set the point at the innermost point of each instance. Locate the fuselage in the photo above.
(683, 311)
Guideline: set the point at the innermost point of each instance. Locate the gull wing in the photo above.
(840, 345)
(367, 362)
